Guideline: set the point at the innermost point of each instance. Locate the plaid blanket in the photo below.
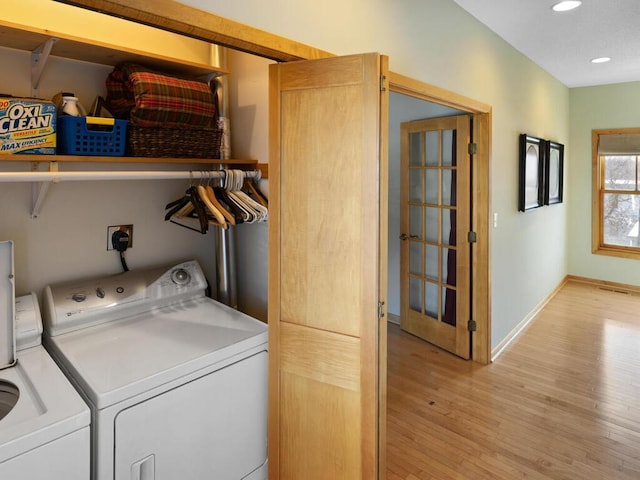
(151, 99)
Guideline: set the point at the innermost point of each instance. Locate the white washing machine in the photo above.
(176, 382)
(44, 433)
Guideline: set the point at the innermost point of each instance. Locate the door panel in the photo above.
(325, 279)
(319, 233)
(319, 370)
(435, 219)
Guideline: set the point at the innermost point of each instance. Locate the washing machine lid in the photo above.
(120, 359)
(48, 407)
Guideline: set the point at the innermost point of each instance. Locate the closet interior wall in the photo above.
(248, 105)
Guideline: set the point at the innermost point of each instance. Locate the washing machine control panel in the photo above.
(74, 305)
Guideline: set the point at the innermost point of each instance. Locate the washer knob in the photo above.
(180, 276)
(78, 297)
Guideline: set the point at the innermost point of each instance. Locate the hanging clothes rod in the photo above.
(46, 179)
(56, 177)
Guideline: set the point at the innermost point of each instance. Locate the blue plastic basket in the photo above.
(91, 136)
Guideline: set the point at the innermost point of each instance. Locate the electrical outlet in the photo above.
(115, 228)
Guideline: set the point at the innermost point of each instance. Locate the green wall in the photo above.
(608, 106)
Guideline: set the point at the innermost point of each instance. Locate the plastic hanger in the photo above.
(176, 206)
(256, 193)
(188, 207)
(194, 209)
(223, 196)
(260, 211)
(229, 217)
(252, 189)
(219, 206)
(252, 210)
(217, 215)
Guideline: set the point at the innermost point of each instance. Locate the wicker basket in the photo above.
(173, 142)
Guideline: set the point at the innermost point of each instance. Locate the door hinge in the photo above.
(472, 325)
(472, 237)
(473, 148)
(383, 85)
(380, 312)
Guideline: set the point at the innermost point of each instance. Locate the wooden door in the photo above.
(435, 257)
(327, 234)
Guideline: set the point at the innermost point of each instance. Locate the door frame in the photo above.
(453, 337)
(480, 200)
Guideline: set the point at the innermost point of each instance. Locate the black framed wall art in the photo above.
(553, 172)
(531, 172)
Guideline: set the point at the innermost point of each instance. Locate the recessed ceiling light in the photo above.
(601, 60)
(566, 5)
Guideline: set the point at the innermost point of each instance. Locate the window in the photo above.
(616, 192)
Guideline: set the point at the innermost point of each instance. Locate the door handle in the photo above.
(404, 236)
(144, 469)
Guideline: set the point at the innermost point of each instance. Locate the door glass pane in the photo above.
(415, 149)
(620, 172)
(415, 185)
(431, 262)
(415, 294)
(415, 221)
(432, 148)
(622, 220)
(431, 188)
(415, 258)
(431, 224)
(447, 148)
(448, 187)
(449, 266)
(448, 233)
(449, 306)
(431, 299)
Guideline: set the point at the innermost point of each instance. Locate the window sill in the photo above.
(622, 252)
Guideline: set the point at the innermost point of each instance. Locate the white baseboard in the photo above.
(392, 318)
(495, 353)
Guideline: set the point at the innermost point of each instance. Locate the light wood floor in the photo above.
(562, 402)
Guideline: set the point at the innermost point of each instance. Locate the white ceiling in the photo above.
(563, 43)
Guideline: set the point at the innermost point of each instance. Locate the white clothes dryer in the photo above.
(44, 424)
(176, 382)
